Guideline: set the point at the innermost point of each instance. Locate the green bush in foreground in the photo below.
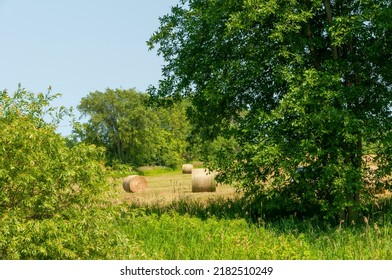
(40, 176)
(84, 235)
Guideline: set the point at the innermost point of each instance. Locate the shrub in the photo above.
(40, 176)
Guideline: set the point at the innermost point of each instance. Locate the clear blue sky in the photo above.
(79, 46)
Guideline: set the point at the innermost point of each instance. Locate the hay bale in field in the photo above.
(134, 183)
(187, 168)
(203, 180)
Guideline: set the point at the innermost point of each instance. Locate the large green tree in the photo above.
(118, 121)
(305, 88)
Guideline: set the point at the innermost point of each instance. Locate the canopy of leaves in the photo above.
(304, 87)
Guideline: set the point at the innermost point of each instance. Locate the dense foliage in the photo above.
(304, 88)
(132, 131)
(40, 176)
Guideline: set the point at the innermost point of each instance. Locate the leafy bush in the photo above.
(40, 176)
(90, 234)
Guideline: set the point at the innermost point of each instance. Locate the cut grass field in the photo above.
(168, 186)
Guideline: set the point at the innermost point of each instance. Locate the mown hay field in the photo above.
(166, 188)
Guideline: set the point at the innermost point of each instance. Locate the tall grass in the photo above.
(124, 232)
(171, 236)
(221, 230)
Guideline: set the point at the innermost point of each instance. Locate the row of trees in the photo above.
(133, 130)
(304, 86)
(136, 130)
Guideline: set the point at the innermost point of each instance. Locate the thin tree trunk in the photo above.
(353, 213)
(119, 150)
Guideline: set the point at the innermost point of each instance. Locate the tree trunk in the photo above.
(353, 212)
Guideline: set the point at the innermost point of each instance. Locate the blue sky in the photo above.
(79, 46)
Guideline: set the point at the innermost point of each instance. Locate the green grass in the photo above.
(172, 236)
(122, 233)
(218, 230)
(156, 170)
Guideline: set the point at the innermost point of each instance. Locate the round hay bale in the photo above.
(187, 168)
(134, 183)
(203, 180)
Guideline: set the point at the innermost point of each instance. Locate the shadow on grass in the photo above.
(221, 208)
(236, 208)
